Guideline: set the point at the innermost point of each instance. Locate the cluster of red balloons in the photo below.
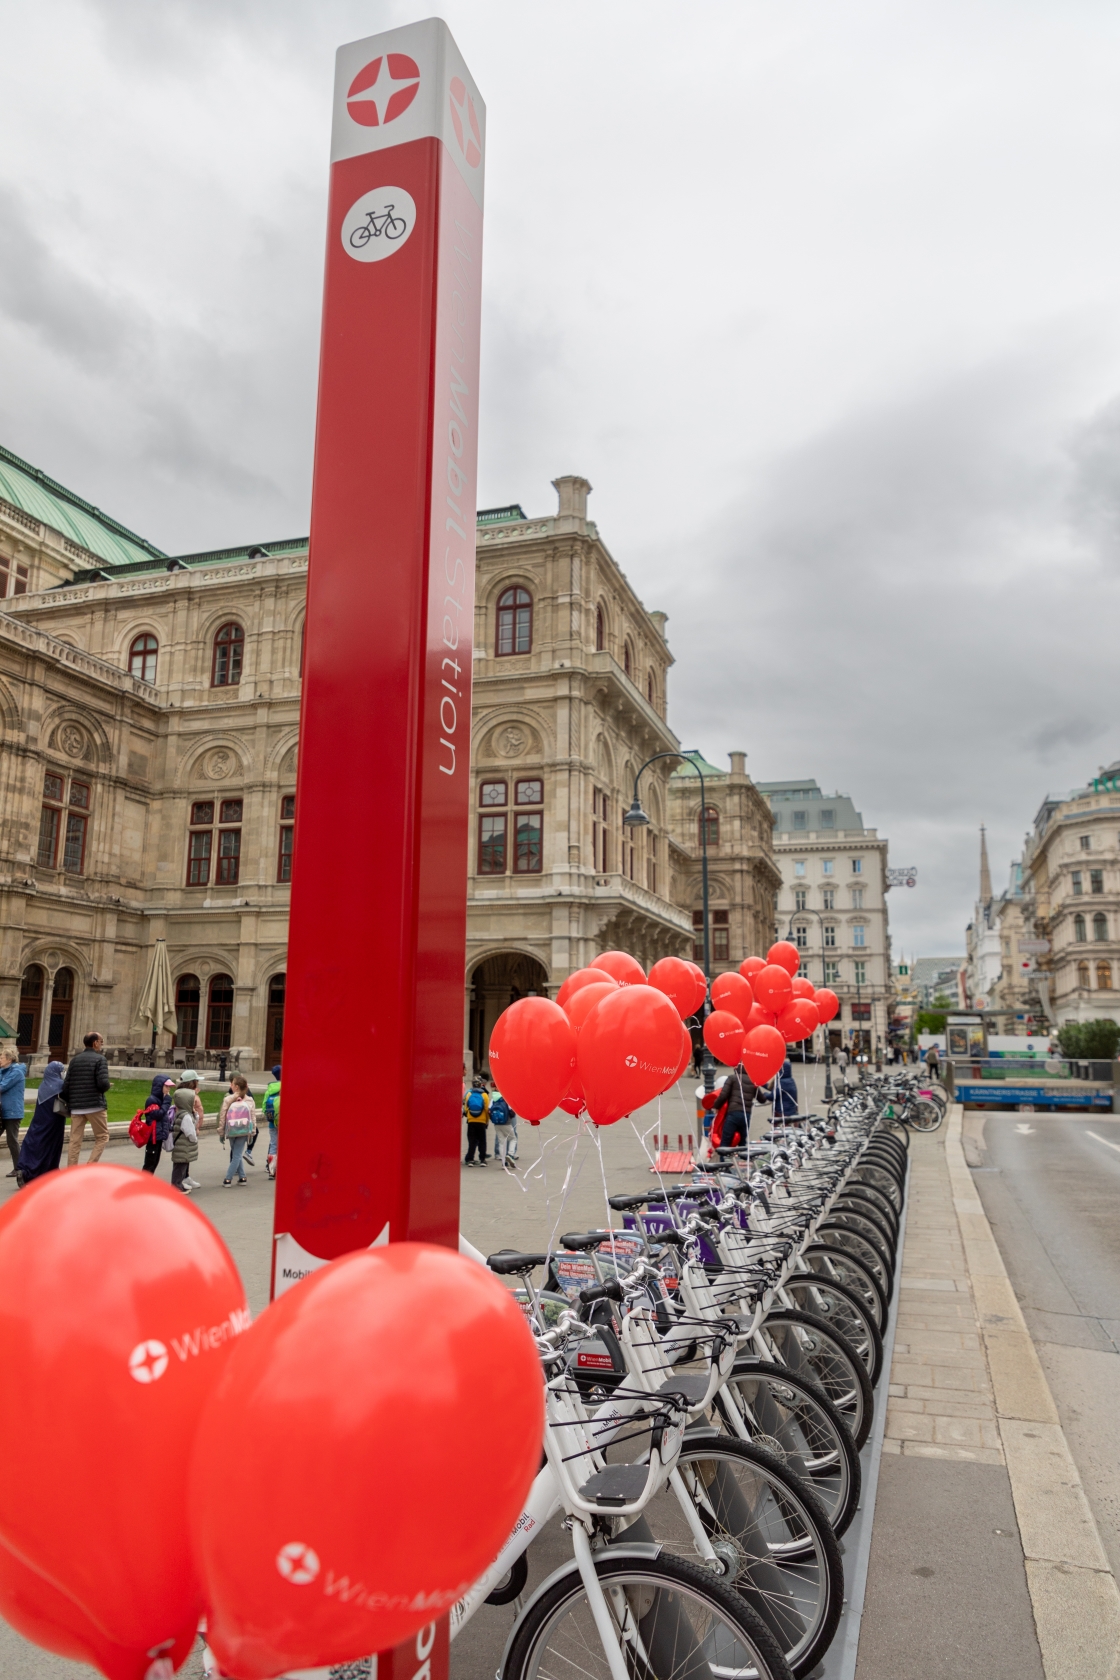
(614, 1037)
(122, 1309)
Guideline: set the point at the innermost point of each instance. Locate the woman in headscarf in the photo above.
(159, 1110)
(41, 1150)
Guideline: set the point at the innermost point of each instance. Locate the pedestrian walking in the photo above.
(933, 1062)
(476, 1110)
(42, 1145)
(184, 1132)
(159, 1111)
(84, 1091)
(13, 1078)
(502, 1119)
(237, 1122)
(731, 1111)
(272, 1115)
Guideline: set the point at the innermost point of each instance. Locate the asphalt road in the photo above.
(1051, 1189)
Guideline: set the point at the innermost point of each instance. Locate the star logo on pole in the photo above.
(383, 89)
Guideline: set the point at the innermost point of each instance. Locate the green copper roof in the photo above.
(701, 764)
(30, 490)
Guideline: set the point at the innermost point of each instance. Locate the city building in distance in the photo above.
(149, 724)
(833, 905)
(1071, 869)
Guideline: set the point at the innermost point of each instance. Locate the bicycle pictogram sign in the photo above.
(378, 224)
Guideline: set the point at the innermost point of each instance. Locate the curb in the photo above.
(1074, 1595)
(839, 1661)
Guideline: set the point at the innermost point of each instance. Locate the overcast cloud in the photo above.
(822, 297)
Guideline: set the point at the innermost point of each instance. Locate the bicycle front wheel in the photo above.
(926, 1115)
(672, 1620)
(842, 1308)
(793, 1420)
(805, 1343)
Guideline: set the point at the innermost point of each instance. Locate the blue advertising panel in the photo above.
(1042, 1096)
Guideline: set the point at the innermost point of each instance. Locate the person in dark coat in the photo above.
(731, 1119)
(783, 1094)
(159, 1110)
(42, 1147)
(84, 1091)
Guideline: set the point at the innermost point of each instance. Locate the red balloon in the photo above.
(686, 1052)
(828, 1004)
(731, 991)
(678, 980)
(50, 1619)
(786, 956)
(798, 1020)
(750, 966)
(574, 1103)
(579, 977)
(325, 1549)
(533, 1055)
(627, 970)
(802, 987)
(723, 1034)
(581, 1003)
(760, 1017)
(121, 1307)
(764, 1051)
(628, 1052)
(697, 970)
(772, 987)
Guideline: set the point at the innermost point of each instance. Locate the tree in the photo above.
(1089, 1041)
(930, 1021)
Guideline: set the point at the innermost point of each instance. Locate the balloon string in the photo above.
(641, 1137)
(568, 1185)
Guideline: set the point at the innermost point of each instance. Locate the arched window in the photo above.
(229, 649)
(219, 1015)
(1079, 929)
(600, 631)
(709, 826)
(62, 1002)
(142, 658)
(1100, 925)
(515, 622)
(1083, 976)
(188, 995)
(274, 1021)
(627, 660)
(1104, 977)
(651, 689)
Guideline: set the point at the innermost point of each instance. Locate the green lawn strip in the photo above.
(127, 1095)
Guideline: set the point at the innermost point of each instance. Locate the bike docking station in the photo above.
(386, 701)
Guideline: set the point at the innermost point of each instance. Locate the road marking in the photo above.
(1027, 1131)
(1105, 1141)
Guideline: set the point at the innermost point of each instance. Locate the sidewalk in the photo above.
(985, 1558)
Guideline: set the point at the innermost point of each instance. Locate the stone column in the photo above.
(38, 1064)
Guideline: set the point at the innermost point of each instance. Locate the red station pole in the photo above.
(373, 1041)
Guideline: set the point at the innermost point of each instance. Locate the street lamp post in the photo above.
(637, 818)
(824, 981)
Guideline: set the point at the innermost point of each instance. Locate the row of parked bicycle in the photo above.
(709, 1365)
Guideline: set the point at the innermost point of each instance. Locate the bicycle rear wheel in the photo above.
(807, 1344)
(794, 1420)
(673, 1621)
(771, 1536)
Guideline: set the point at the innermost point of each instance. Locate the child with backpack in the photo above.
(237, 1121)
(272, 1115)
(476, 1109)
(504, 1122)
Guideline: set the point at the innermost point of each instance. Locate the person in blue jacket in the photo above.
(783, 1094)
(13, 1077)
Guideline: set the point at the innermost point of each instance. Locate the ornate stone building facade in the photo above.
(149, 710)
(743, 877)
(1072, 861)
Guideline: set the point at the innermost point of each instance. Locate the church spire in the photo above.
(985, 872)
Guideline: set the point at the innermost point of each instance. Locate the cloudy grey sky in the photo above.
(821, 296)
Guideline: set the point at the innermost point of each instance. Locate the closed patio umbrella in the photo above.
(157, 1000)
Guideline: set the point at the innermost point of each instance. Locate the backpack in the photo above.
(240, 1118)
(140, 1129)
(500, 1112)
(476, 1104)
(272, 1106)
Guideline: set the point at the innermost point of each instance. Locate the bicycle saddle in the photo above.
(587, 1239)
(623, 1204)
(509, 1262)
